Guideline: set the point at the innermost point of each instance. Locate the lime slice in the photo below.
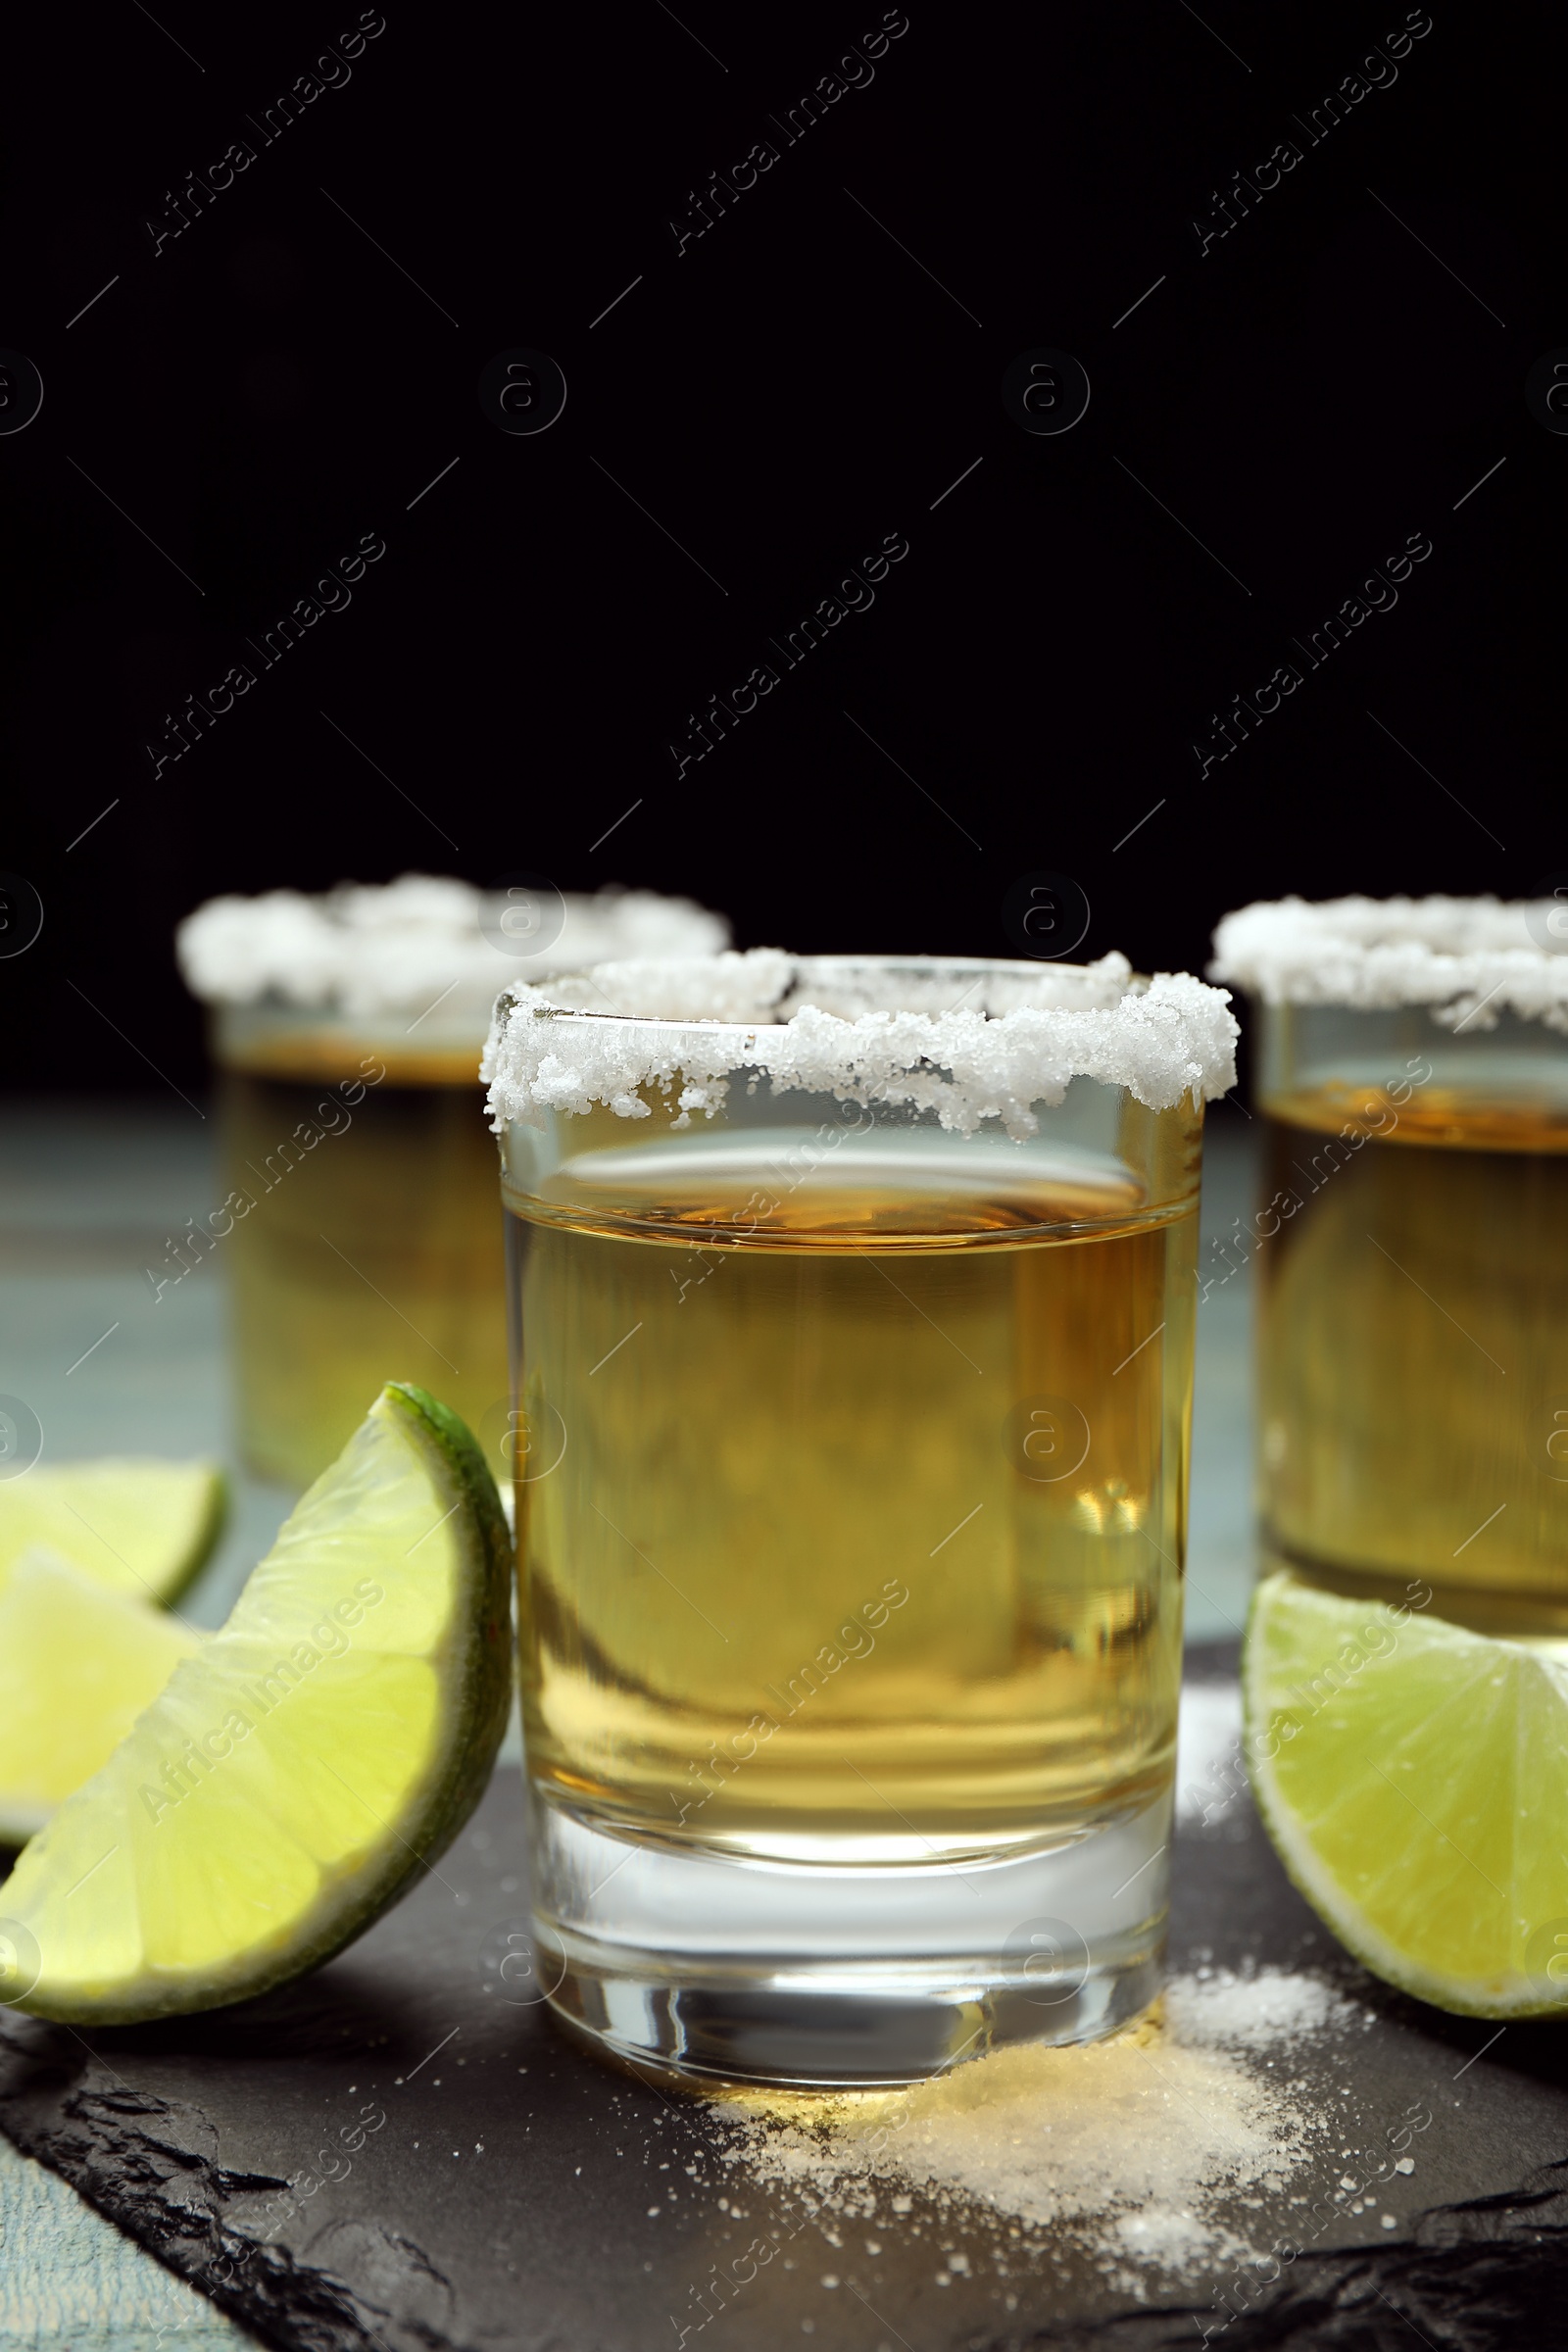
(138, 1526)
(77, 1665)
(300, 1768)
(1414, 1780)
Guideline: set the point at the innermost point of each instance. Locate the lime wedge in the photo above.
(138, 1526)
(77, 1665)
(1414, 1780)
(299, 1771)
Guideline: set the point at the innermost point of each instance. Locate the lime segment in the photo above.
(300, 1768)
(77, 1665)
(1410, 1775)
(138, 1526)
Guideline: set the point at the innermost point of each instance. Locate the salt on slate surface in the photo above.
(396, 2153)
(1151, 2152)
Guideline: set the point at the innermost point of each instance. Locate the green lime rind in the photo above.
(205, 1542)
(490, 1671)
(1413, 1776)
(136, 1523)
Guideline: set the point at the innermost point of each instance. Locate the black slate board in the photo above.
(518, 2195)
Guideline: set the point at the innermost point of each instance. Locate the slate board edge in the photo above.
(121, 2169)
(1467, 2276)
(1461, 2281)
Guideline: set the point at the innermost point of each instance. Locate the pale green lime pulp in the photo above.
(299, 1769)
(1414, 1780)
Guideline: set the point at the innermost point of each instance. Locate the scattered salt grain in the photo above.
(1225, 2011)
(1210, 1782)
(1140, 2146)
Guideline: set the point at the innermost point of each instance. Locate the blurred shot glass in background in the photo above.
(1411, 1248)
(361, 1225)
(852, 1306)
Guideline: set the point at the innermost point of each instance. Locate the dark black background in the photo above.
(786, 391)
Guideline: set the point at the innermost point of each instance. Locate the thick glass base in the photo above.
(717, 1967)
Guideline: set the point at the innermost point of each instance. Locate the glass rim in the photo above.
(372, 948)
(806, 968)
(1037, 1027)
(1465, 959)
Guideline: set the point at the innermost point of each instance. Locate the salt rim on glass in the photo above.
(1467, 958)
(367, 949)
(966, 1040)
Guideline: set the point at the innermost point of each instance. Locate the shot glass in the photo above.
(851, 1318)
(1411, 1247)
(358, 1221)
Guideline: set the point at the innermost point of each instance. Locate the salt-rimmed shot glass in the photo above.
(1411, 1247)
(359, 1218)
(852, 1306)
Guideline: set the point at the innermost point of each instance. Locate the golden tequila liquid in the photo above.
(371, 1252)
(1413, 1335)
(844, 1539)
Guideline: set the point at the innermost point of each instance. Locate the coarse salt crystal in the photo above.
(961, 1042)
(1137, 2144)
(1229, 2011)
(372, 948)
(1466, 959)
